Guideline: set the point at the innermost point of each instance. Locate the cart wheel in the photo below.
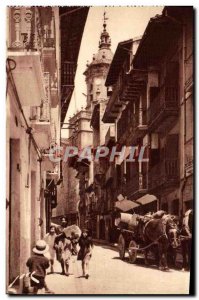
(121, 246)
(132, 252)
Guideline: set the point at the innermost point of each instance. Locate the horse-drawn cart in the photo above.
(128, 240)
(141, 234)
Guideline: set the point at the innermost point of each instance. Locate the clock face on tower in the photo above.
(97, 81)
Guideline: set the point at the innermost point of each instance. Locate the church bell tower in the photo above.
(96, 71)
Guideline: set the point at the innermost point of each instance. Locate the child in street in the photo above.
(85, 252)
(38, 264)
(63, 246)
(50, 240)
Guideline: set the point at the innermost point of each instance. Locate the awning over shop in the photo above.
(124, 204)
(146, 199)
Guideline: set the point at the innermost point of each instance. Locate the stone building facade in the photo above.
(32, 128)
(36, 107)
(152, 105)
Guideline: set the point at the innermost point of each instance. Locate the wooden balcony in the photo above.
(189, 73)
(67, 85)
(122, 125)
(164, 108)
(133, 84)
(136, 186)
(110, 136)
(189, 157)
(113, 105)
(133, 125)
(140, 126)
(110, 174)
(164, 175)
(68, 73)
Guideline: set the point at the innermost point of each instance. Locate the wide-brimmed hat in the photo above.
(41, 247)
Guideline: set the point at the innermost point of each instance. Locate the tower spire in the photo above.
(105, 41)
(105, 19)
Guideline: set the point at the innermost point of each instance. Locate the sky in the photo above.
(123, 23)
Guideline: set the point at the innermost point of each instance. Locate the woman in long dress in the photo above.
(85, 252)
(50, 240)
(65, 252)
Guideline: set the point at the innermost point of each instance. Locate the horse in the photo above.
(186, 239)
(162, 232)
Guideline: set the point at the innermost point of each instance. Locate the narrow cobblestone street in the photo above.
(109, 274)
(99, 149)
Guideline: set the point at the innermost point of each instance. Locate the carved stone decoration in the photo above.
(46, 102)
(38, 31)
(17, 19)
(28, 18)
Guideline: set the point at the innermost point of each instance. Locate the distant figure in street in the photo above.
(50, 240)
(85, 252)
(63, 245)
(38, 264)
(187, 239)
(64, 224)
(59, 230)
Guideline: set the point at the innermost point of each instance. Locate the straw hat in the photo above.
(41, 247)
